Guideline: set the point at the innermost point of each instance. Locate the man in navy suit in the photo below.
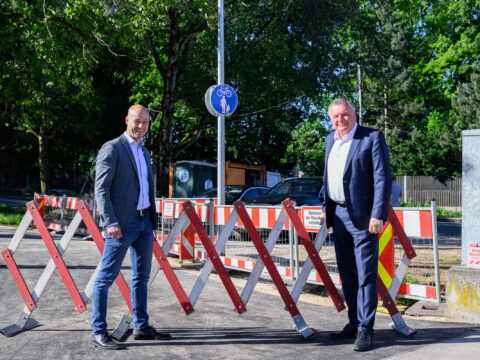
(126, 204)
(358, 183)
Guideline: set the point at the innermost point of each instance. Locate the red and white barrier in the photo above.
(417, 222)
(192, 215)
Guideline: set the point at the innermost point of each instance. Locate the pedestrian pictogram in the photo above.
(221, 100)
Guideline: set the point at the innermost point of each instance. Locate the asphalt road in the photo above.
(212, 331)
(14, 201)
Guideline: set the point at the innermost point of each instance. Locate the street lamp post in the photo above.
(360, 108)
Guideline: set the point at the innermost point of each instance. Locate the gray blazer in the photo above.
(117, 186)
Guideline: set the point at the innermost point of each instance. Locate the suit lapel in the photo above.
(353, 147)
(328, 146)
(149, 165)
(126, 146)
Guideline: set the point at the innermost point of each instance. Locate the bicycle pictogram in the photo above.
(224, 91)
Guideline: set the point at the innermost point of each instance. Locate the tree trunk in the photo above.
(179, 43)
(170, 87)
(42, 158)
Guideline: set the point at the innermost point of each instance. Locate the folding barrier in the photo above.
(56, 206)
(386, 293)
(30, 298)
(160, 262)
(418, 223)
(192, 217)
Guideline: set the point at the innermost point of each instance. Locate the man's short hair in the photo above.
(340, 101)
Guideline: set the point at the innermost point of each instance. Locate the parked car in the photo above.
(303, 191)
(236, 192)
(61, 192)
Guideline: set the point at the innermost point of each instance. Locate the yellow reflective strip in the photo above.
(384, 275)
(385, 238)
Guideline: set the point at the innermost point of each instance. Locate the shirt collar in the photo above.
(347, 137)
(132, 140)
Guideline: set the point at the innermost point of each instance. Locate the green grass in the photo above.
(440, 211)
(448, 213)
(11, 215)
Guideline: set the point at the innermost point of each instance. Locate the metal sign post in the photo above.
(221, 118)
(221, 100)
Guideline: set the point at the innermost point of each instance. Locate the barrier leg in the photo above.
(121, 330)
(298, 319)
(24, 322)
(214, 257)
(208, 267)
(259, 265)
(308, 265)
(398, 324)
(313, 255)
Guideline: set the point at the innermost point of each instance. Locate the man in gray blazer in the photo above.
(126, 204)
(358, 183)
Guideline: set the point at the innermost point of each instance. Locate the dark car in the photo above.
(61, 192)
(236, 192)
(303, 191)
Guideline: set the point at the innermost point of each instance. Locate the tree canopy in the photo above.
(70, 69)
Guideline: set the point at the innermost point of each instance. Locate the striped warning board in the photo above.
(386, 256)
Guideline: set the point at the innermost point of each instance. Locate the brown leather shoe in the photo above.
(348, 332)
(149, 333)
(104, 341)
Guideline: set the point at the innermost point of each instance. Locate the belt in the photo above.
(143, 212)
(341, 203)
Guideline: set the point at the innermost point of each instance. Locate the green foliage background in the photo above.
(69, 70)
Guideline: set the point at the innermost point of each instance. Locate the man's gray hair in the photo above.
(340, 101)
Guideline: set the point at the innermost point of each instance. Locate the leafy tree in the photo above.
(410, 72)
(45, 80)
(276, 58)
(467, 102)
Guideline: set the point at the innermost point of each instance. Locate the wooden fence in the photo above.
(446, 192)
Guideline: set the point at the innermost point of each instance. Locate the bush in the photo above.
(11, 215)
(440, 211)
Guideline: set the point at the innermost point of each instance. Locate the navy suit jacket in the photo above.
(117, 187)
(367, 179)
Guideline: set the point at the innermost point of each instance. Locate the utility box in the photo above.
(240, 174)
(190, 178)
(273, 178)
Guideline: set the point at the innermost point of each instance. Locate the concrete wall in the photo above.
(463, 294)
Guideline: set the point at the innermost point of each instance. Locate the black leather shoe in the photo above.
(363, 342)
(149, 333)
(104, 341)
(348, 332)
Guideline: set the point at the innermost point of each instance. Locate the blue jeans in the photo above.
(139, 238)
(357, 260)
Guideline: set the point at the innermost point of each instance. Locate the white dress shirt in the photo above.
(336, 165)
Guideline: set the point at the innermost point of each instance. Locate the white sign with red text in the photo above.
(473, 259)
(168, 209)
(311, 217)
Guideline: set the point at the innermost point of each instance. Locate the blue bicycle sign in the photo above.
(221, 100)
(224, 90)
